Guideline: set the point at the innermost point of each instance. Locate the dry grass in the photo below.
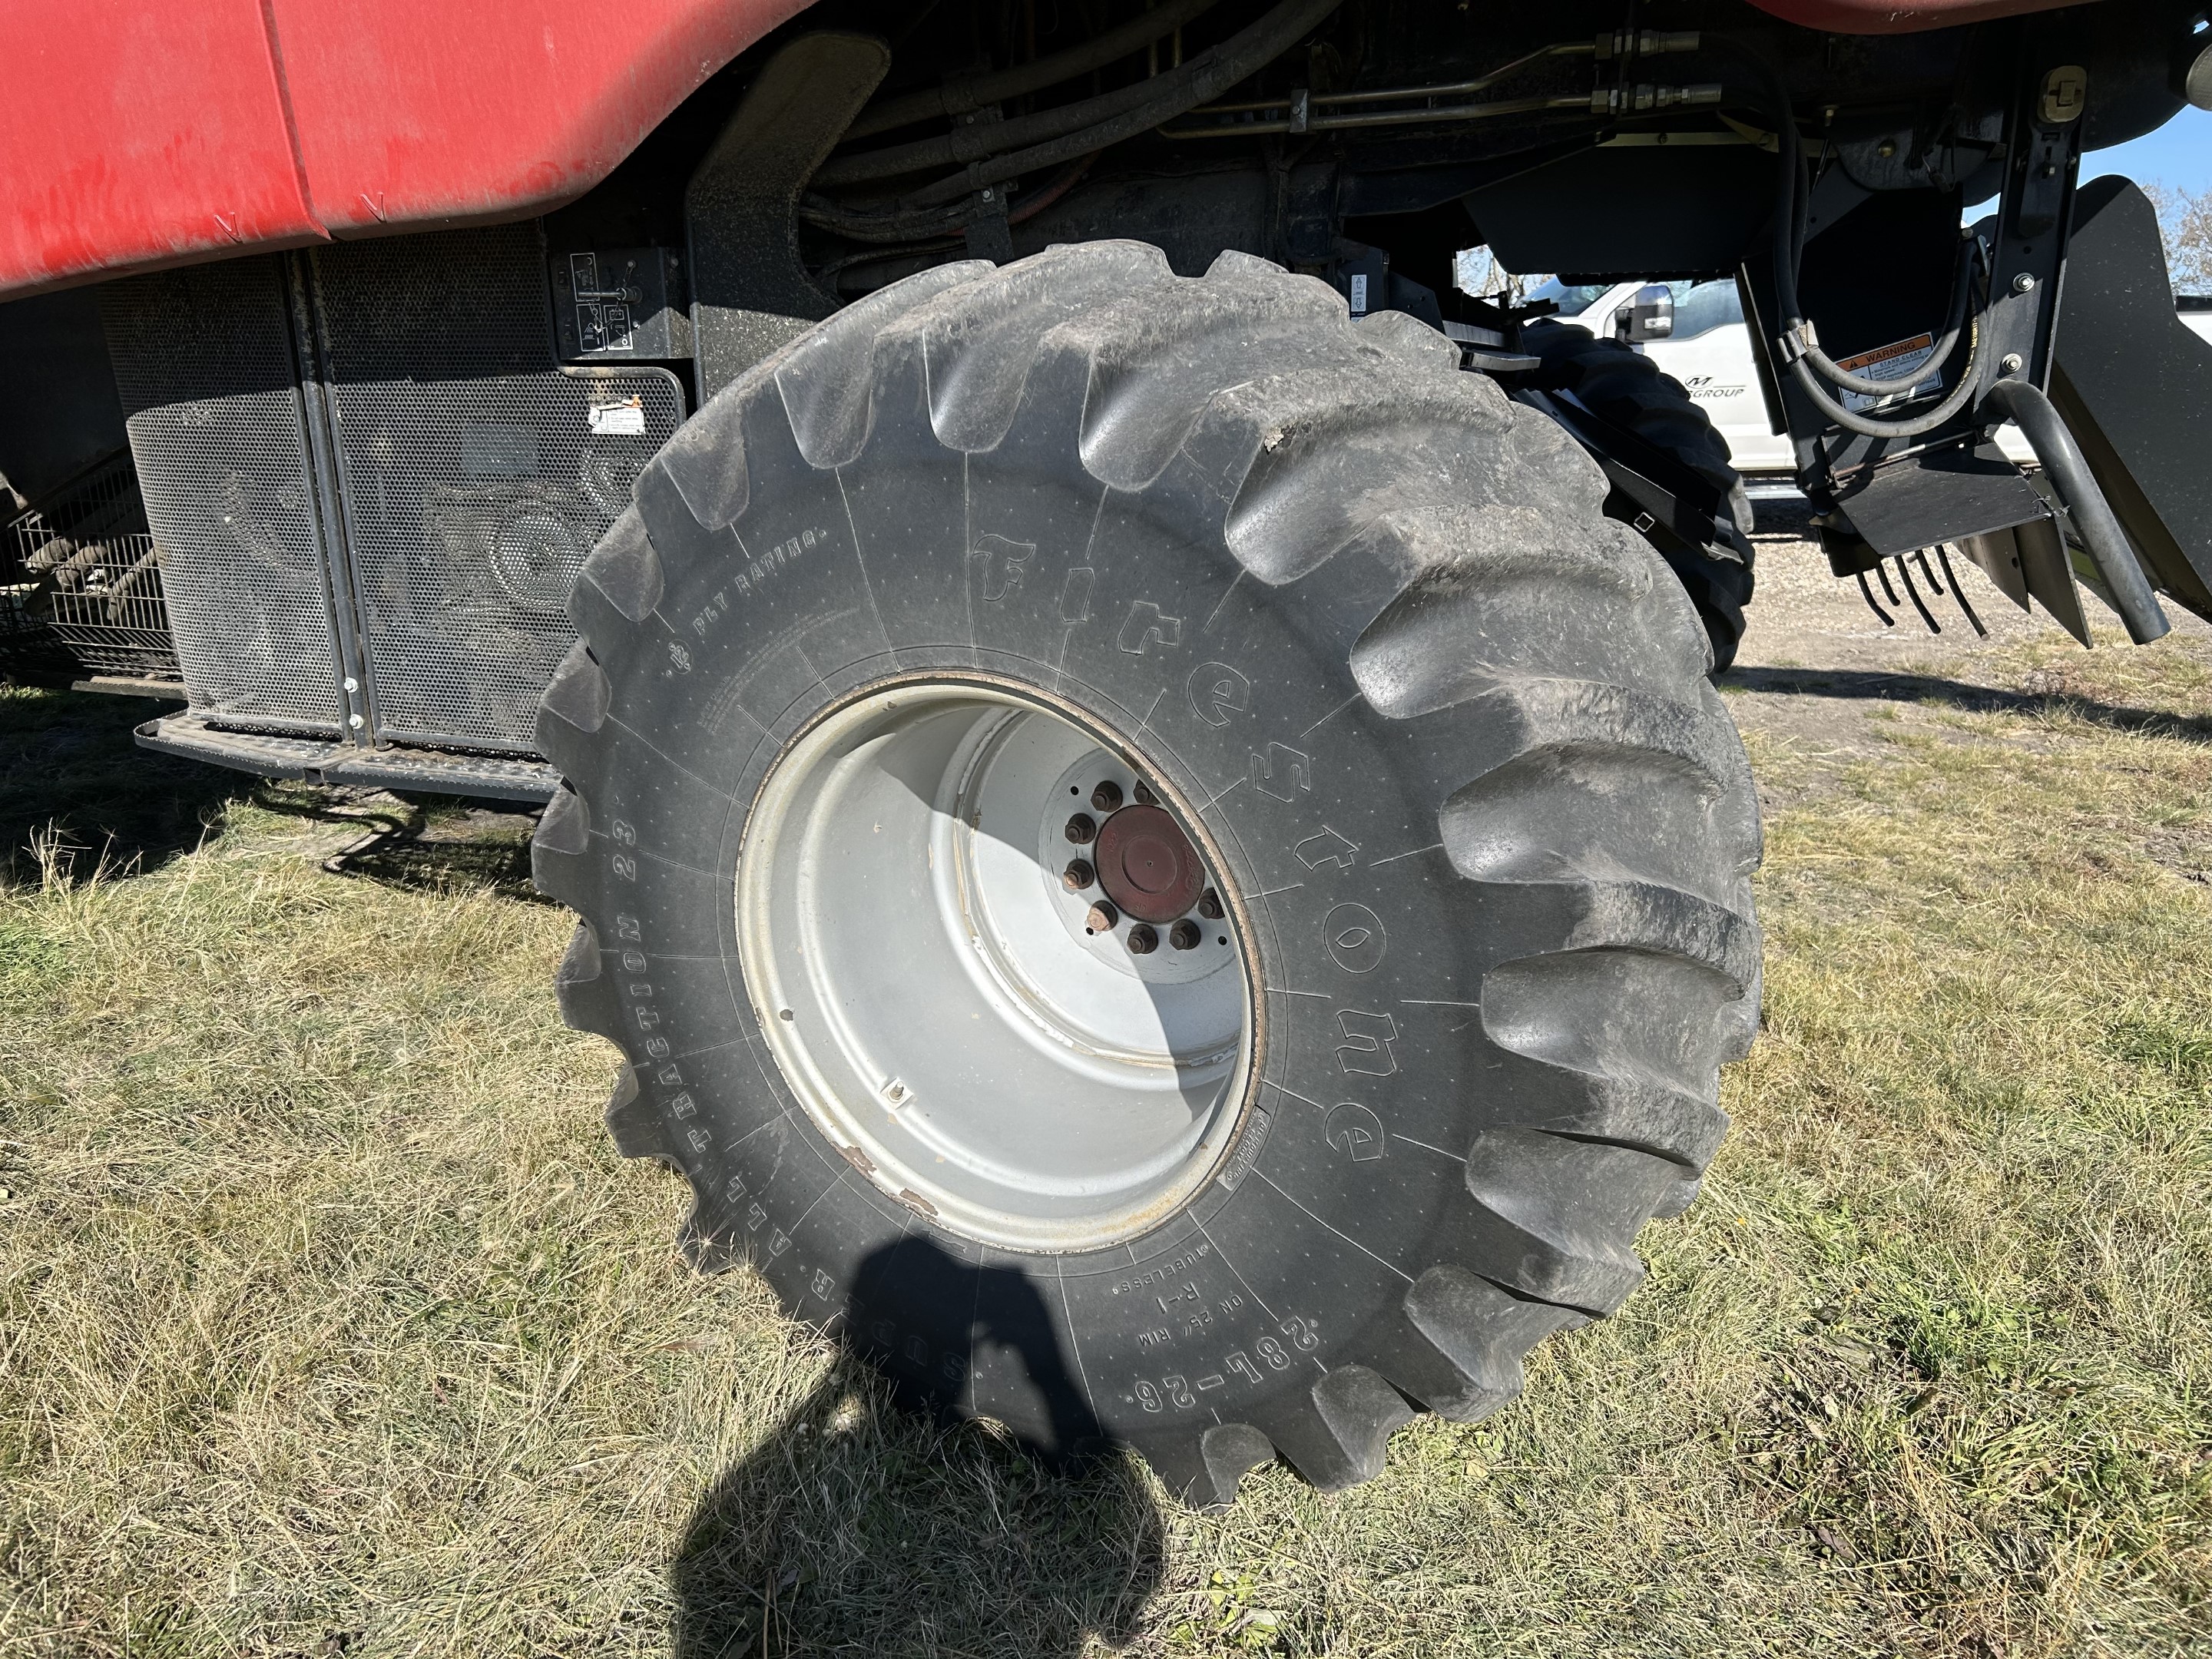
(330, 1322)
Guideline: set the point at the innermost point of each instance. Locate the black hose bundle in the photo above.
(1808, 365)
(961, 94)
(999, 151)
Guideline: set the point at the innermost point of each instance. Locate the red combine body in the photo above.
(168, 133)
(1137, 764)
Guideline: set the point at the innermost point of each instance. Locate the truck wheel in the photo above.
(1155, 858)
(1626, 388)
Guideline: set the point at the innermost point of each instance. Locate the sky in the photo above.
(2178, 154)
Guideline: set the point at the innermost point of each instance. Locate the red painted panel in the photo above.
(139, 133)
(1889, 17)
(147, 133)
(413, 112)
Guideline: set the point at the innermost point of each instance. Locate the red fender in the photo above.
(141, 133)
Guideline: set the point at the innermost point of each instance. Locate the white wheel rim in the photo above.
(931, 993)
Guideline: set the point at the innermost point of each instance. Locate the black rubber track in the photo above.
(1626, 388)
(1489, 831)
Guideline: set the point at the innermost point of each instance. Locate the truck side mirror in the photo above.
(1649, 316)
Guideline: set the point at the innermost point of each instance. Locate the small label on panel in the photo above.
(1891, 362)
(584, 286)
(1359, 295)
(623, 420)
(620, 303)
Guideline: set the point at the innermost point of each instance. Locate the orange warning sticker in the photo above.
(1891, 362)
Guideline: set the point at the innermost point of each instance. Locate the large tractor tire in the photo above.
(1625, 387)
(1154, 858)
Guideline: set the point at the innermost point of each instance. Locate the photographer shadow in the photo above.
(862, 1525)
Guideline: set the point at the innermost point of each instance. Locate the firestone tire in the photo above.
(1442, 727)
(1627, 388)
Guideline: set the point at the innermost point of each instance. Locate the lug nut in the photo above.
(1102, 918)
(1107, 796)
(1184, 935)
(1081, 828)
(1143, 941)
(1145, 795)
(1209, 905)
(1078, 876)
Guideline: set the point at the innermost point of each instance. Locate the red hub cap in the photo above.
(1147, 865)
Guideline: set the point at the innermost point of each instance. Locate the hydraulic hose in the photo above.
(1917, 426)
(963, 92)
(2068, 470)
(1962, 286)
(888, 224)
(1056, 135)
(1807, 363)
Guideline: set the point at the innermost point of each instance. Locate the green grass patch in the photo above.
(330, 1322)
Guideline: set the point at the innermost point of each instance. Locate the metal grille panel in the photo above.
(476, 474)
(82, 578)
(204, 364)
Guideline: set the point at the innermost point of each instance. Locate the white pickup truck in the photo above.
(1708, 351)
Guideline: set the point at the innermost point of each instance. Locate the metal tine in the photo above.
(1882, 575)
(1918, 604)
(1943, 557)
(1873, 605)
(1921, 555)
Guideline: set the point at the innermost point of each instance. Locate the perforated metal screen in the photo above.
(476, 474)
(204, 365)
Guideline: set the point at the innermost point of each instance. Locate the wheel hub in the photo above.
(1147, 865)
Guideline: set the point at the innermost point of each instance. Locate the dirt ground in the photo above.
(1817, 666)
